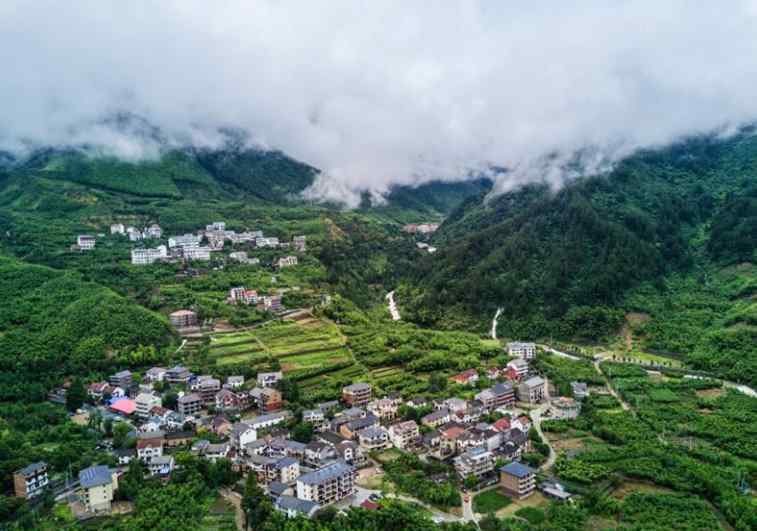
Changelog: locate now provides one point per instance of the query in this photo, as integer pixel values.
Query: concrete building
(287, 470)
(153, 231)
(122, 379)
(532, 390)
(117, 228)
(328, 484)
(517, 479)
(286, 261)
(474, 462)
(299, 243)
(374, 438)
(519, 366)
(149, 449)
(269, 379)
(208, 388)
(145, 402)
(31, 480)
(580, 390)
(183, 318)
(85, 242)
(565, 408)
(184, 241)
(190, 404)
(178, 374)
(293, 507)
(501, 394)
(98, 484)
(357, 394)
(148, 256)
(404, 434)
(527, 351)
(196, 253)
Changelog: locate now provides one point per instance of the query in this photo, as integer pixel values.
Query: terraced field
(301, 346)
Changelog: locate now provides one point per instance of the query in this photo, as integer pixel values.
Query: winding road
(393, 310)
(494, 323)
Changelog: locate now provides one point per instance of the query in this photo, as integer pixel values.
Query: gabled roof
(290, 503)
(32, 468)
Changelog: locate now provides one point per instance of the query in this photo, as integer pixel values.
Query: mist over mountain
(379, 94)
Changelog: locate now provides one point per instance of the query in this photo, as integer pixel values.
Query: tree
(130, 484)
(75, 395)
(120, 435)
(471, 482)
(303, 432)
(256, 505)
(290, 391)
(437, 383)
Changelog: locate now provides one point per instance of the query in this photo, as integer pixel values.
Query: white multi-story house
(148, 256)
(31, 480)
(373, 438)
(196, 253)
(134, 234)
(85, 242)
(527, 351)
(266, 242)
(532, 390)
(148, 449)
(404, 434)
(299, 243)
(327, 485)
(117, 228)
(269, 379)
(153, 231)
(185, 240)
(519, 366)
(145, 402)
(475, 462)
(286, 261)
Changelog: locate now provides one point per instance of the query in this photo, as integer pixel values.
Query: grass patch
(490, 501)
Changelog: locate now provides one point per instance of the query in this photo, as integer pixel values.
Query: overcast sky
(381, 92)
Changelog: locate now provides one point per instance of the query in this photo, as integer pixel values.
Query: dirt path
(235, 499)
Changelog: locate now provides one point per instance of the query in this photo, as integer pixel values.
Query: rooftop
(326, 473)
(95, 476)
(32, 468)
(517, 469)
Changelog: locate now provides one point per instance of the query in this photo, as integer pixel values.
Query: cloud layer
(380, 93)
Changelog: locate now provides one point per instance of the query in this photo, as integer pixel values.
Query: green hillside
(563, 263)
(53, 324)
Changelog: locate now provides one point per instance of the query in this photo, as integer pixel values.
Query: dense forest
(562, 263)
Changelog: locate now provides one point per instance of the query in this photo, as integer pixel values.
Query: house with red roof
(123, 406)
(469, 377)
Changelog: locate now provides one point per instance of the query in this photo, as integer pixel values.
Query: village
(163, 411)
(194, 246)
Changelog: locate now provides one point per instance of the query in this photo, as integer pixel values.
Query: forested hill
(565, 263)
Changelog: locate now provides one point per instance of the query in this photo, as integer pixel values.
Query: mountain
(570, 263)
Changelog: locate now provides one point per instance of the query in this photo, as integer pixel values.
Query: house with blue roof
(97, 485)
(517, 479)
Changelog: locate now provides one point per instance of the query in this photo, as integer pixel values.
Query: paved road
(393, 306)
(559, 353)
(536, 417)
(362, 494)
(494, 323)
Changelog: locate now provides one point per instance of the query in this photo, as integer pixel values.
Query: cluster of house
(420, 228)
(242, 295)
(302, 477)
(190, 247)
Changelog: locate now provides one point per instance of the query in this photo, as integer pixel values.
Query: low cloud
(380, 93)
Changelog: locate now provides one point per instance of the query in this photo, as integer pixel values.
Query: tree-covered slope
(52, 324)
(562, 263)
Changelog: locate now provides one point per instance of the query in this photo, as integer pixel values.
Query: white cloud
(376, 93)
